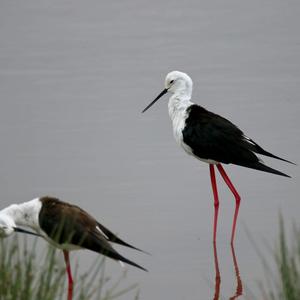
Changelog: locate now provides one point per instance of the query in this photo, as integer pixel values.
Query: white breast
(178, 115)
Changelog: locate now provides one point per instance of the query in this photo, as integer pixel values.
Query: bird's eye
(171, 81)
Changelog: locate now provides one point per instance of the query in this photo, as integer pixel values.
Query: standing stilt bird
(65, 226)
(210, 138)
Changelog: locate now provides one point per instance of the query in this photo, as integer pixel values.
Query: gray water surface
(74, 77)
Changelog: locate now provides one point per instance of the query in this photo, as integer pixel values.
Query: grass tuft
(26, 275)
(286, 281)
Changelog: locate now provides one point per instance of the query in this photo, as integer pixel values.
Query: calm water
(74, 77)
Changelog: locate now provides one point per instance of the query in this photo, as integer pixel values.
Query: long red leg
(70, 279)
(236, 196)
(216, 199)
(218, 275)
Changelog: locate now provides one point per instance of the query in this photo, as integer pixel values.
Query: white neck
(178, 103)
(24, 214)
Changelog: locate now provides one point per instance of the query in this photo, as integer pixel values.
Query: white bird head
(8, 226)
(176, 83)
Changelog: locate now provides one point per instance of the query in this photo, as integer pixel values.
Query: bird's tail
(96, 242)
(261, 167)
(259, 150)
(114, 239)
(115, 255)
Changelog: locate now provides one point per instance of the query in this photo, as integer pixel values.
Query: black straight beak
(159, 96)
(18, 229)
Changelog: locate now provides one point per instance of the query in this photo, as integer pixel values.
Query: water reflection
(239, 284)
(217, 271)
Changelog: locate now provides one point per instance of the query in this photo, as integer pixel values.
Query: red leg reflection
(239, 285)
(218, 275)
(216, 199)
(236, 196)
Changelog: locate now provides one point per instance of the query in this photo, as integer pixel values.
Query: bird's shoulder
(199, 118)
(55, 212)
(197, 113)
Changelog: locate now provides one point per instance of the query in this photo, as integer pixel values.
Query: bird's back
(214, 138)
(70, 227)
(65, 223)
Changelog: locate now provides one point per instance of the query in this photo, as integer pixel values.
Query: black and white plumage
(210, 137)
(214, 138)
(65, 226)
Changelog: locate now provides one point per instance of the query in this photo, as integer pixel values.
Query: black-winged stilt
(210, 138)
(65, 226)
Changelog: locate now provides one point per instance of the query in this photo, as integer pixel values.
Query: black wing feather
(114, 239)
(65, 223)
(213, 137)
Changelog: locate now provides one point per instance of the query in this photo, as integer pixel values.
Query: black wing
(114, 239)
(211, 136)
(68, 224)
